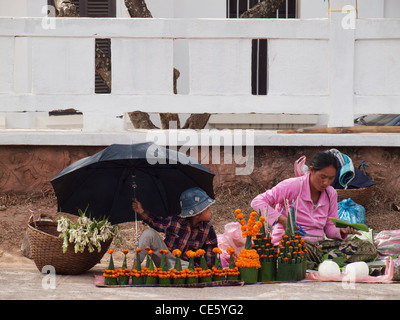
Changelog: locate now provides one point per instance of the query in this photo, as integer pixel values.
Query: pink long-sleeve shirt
(314, 219)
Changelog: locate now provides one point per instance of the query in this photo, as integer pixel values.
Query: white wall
(187, 8)
(366, 8)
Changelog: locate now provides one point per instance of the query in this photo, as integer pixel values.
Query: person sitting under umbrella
(190, 230)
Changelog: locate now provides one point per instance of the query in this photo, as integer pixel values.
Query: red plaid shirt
(180, 235)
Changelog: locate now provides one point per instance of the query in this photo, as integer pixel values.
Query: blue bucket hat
(194, 201)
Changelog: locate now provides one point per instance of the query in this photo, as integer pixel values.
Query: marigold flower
(138, 250)
(190, 253)
(176, 252)
(200, 252)
(248, 259)
(237, 211)
(231, 251)
(110, 251)
(125, 251)
(147, 248)
(217, 250)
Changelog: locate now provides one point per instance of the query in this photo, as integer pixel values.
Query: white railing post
(342, 38)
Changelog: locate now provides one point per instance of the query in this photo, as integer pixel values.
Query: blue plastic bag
(351, 212)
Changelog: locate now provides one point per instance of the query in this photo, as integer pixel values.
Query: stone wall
(29, 169)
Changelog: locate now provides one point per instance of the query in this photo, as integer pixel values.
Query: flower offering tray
(99, 282)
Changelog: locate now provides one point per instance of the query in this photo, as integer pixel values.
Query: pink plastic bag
(387, 277)
(300, 167)
(387, 242)
(231, 238)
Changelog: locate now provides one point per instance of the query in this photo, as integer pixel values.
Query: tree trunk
(141, 120)
(264, 9)
(196, 121)
(138, 9)
(65, 8)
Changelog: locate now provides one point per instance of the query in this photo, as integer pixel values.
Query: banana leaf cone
(178, 267)
(204, 267)
(219, 273)
(232, 267)
(110, 276)
(123, 279)
(164, 276)
(150, 278)
(248, 245)
(192, 275)
(289, 272)
(137, 278)
(249, 275)
(267, 272)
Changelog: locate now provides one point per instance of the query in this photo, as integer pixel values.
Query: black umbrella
(107, 181)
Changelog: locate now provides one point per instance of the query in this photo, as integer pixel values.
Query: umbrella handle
(134, 186)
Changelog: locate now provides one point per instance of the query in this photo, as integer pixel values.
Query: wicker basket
(46, 249)
(361, 196)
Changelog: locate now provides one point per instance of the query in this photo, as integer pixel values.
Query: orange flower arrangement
(291, 249)
(248, 259)
(177, 272)
(191, 271)
(110, 274)
(232, 271)
(205, 273)
(252, 227)
(124, 272)
(138, 272)
(163, 272)
(218, 272)
(181, 274)
(193, 274)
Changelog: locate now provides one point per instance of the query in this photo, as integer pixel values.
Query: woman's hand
(283, 221)
(136, 205)
(349, 230)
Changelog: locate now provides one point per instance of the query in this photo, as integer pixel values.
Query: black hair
(324, 159)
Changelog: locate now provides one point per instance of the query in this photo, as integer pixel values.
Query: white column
(342, 30)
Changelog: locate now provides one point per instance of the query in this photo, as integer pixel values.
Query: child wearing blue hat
(191, 230)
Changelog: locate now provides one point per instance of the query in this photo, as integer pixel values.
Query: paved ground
(23, 281)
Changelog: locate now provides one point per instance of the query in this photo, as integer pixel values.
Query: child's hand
(136, 205)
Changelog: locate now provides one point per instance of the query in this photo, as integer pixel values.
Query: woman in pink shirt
(314, 198)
